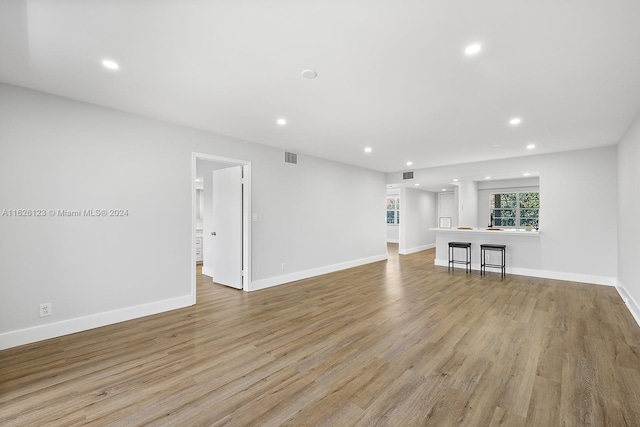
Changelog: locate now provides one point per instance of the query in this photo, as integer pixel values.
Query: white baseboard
(287, 278)
(629, 301)
(544, 274)
(393, 241)
(416, 249)
(71, 326)
(207, 271)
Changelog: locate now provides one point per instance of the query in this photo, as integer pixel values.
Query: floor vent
(291, 157)
(407, 175)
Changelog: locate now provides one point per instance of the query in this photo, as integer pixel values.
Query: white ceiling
(392, 74)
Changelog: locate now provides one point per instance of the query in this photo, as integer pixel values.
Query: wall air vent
(407, 175)
(291, 157)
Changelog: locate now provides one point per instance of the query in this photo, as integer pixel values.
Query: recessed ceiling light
(472, 49)
(487, 177)
(409, 163)
(282, 122)
(368, 150)
(531, 146)
(515, 121)
(112, 65)
(416, 184)
(455, 179)
(526, 174)
(309, 74)
(444, 189)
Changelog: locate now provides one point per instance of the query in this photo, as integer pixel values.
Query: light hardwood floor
(400, 342)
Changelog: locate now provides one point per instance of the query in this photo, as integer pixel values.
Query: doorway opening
(223, 236)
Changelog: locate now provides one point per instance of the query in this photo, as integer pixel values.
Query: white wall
(56, 153)
(629, 218)
(447, 206)
(393, 233)
(417, 216)
(320, 213)
(578, 227)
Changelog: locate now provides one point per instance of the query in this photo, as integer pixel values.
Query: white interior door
(226, 234)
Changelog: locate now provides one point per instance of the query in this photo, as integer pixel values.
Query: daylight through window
(393, 210)
(515, 209)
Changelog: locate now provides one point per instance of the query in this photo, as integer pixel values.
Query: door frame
(246, 209)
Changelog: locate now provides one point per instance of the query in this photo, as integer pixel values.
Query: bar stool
(503, 257)
(467, 250)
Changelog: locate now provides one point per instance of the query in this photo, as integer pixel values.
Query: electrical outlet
(284, 266)
(45, 309)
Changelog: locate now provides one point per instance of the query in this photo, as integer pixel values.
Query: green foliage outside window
(515, 209)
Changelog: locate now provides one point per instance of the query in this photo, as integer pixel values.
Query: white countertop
(510, 231)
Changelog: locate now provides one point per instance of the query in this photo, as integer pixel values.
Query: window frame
(396, 209)
(517, 209)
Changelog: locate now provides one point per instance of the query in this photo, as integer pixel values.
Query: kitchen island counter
(522, 253)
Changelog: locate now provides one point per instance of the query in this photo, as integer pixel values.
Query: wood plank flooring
(395, 343)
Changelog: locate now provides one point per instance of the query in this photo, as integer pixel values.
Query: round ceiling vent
(309, 74)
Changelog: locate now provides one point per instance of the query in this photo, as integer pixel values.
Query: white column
(468, 204)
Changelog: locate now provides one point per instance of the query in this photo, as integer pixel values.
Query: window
(515, 209)
(393, 210)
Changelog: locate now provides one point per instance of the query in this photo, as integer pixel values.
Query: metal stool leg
(452, 255)
(503, 259)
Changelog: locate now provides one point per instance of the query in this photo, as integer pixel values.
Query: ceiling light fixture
(409, 163)
(473, 49)
(444, 189)
(455, 179)
(531, 146)
(282, 122)
(487, 177)
(416, 184)
(309, 74)
(526, 174)
(515, 121)
(368, 150)
(112, 65)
